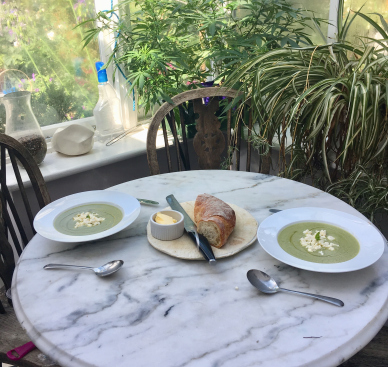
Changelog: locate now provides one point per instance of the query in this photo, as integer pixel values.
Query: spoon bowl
(102, 271)
(266, 284)
(108, 268)
(262, 281)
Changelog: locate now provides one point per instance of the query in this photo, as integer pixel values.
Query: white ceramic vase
(74, 139)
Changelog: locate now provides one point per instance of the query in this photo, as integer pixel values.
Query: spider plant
(330, 100)
(365, 190)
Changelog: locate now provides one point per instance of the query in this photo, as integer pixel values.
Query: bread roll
(214, 218)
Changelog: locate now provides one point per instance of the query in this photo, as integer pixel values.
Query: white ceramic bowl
(44, 220)
(167, 232)
(372, 243)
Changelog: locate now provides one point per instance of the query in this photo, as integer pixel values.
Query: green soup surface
(65, 223)
(289, 240)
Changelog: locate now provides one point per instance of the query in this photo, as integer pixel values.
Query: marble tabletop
(166, 312)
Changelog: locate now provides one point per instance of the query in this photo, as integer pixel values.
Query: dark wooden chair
(214, 148)
(13, 238)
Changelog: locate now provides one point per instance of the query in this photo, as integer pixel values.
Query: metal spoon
(104, 270)
(147, 202)
(264, 283)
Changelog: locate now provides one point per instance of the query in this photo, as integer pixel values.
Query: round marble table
(166, 312)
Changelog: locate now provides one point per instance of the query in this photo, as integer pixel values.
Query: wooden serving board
(243, 235)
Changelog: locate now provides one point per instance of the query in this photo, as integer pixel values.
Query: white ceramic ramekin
(167, 232)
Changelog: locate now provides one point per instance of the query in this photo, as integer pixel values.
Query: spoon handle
(333, 301)
(147, 202)
(63, 266)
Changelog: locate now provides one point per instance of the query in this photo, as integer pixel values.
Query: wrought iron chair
(12, 229)
(208, 144)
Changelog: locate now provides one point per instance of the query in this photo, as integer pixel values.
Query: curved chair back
(11, 224)
(209, 144)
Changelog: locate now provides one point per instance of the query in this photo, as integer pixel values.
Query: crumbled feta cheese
(317, 241)
(87, 219)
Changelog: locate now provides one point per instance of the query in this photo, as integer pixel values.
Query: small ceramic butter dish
(167, 232)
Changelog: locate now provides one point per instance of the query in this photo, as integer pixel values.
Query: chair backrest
(10, 220)
(209, 141)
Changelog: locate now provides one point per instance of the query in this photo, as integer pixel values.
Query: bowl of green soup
(87, 216)
(319, 239)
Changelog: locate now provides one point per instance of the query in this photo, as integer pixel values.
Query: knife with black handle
(191, 229)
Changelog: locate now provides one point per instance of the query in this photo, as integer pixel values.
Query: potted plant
(332, 100)
(165, 47)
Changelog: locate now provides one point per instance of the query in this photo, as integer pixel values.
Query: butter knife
(191, 229)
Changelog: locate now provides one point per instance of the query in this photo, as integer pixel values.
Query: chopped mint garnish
(317, 236)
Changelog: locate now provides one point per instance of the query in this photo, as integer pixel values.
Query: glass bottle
(22, 124)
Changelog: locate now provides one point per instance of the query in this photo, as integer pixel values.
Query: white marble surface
(163, 311)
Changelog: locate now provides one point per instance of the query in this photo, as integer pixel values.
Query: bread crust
(208, 208)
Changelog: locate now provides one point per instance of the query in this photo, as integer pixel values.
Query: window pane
(320, 8)
(360, 27)
(38, 40)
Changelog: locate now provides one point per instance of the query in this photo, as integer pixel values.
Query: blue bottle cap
(101, 74)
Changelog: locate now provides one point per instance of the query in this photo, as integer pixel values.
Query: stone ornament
(209, 142)
(74, 139)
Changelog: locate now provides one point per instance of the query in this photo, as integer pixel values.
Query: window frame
(333, 17)
(128, 113)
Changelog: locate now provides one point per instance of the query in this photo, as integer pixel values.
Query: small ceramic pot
(74, 139)
(167, 232)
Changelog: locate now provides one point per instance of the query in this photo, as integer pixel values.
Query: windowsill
(49, 130)
(57, 165)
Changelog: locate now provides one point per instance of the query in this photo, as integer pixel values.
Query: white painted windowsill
(57, 165)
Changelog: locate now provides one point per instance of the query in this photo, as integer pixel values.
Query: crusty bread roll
(214, 218)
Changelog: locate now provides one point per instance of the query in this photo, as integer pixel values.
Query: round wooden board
(243, 235)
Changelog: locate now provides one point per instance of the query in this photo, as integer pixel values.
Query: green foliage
(246, 28)
(166, 47)
(38, 38)
(365, 189)
(331, 101)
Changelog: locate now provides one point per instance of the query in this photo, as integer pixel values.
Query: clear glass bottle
(107, 112)
(22, 124)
